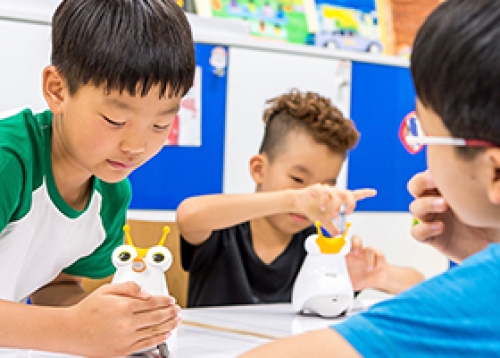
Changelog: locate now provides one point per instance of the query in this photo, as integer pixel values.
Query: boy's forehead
(123, 100)
(156, 90)
(130, 103)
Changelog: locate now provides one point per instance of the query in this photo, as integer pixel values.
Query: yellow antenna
(126, 228)
(328, 245)
(166, 230)
(318, 228)
(347, 226)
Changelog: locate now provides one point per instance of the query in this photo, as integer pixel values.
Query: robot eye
(158, 257)
(124, 256)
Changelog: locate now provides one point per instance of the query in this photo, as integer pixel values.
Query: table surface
(229, 331)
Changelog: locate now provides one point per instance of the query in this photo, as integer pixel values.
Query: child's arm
(368, 268)
(115, 320)
(65, 290)
(315, 344)
(198, 216)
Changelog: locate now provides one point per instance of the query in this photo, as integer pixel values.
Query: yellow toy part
(143, 251)
(329, 245)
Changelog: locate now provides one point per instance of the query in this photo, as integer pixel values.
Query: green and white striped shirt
(40, 234)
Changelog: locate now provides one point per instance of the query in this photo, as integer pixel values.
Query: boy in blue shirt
(455, 66)
(249, 248)
(119, 70)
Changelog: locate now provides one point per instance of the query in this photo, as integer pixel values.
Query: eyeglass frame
(424, 140)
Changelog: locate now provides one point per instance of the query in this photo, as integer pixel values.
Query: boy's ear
(258, 164)
(494, 187)
(54, 89)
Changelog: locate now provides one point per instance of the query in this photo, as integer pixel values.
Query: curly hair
(312, 113)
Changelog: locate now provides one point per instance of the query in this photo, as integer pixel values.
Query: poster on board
(346, 25)
(186, 128)
(278, 20)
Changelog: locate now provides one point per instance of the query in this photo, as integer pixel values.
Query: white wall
(25, 51)
(34, 10)
(390, 232)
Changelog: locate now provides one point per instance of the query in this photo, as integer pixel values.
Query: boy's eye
(297, 180)
(112, 122)
(162, 127)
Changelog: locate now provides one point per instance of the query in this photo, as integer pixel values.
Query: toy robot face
(156, 256)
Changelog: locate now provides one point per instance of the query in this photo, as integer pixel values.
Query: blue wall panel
(179, 172)
(381, 96)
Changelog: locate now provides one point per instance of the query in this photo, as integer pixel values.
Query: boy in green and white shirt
(41, 232)
(113, 90)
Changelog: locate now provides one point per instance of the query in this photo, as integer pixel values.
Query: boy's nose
(135, 143)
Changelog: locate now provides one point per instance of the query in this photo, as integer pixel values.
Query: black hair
(127, 45)
(309, 112)
(455, 65)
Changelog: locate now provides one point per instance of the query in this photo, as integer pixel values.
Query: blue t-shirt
(454, 314)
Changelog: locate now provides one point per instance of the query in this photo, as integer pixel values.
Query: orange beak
(138, 265)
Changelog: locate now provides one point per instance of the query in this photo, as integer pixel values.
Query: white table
(231, 330)
(220, 332)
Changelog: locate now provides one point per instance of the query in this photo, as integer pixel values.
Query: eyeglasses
(414, 139)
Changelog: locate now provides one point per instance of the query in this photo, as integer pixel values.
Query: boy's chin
(112, 178)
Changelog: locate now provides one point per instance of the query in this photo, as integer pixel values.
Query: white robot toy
(146, 267)
(323, 285)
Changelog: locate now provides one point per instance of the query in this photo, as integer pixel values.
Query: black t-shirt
(225, 269)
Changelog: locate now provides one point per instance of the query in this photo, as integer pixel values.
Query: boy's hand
(119, 319)
(438, 224)
(368, 267)
(323, 202)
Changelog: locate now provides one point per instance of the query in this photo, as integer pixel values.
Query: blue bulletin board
(381, 96)
(179, 172)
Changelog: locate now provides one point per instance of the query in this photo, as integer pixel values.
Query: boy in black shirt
(248, 248)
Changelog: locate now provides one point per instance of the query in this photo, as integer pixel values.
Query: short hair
(309, 112)
(125, 45)
(455, 65)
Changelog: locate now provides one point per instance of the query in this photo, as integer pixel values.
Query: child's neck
(73, 186)
(268, 242)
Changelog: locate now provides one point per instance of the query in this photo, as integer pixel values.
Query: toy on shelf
(146, 267)
(323, 285)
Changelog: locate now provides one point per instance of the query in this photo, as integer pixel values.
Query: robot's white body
(323, 285)
(146, 267)
(151, 280)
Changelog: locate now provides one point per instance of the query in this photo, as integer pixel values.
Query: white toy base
(327, 305)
